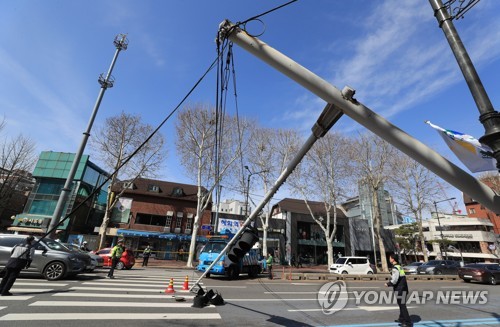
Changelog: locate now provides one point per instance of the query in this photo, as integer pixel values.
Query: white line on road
(15, 298)
(127, 284)
(132, 296)
(109, 316)
(305, 292)
(123, 290)
(272, 300)
(39, 284)
(31, 290)
(111, 304)
(365, 308)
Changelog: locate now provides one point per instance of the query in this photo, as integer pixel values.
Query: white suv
(351, 265)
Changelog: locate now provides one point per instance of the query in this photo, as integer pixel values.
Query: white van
(351, 265)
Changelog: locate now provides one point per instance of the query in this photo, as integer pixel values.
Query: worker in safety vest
(116, 254)
(400, 286)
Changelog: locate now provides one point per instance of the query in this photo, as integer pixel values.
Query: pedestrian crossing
(132, 297)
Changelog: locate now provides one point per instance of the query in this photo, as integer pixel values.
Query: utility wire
(267, 12)
(97, 189)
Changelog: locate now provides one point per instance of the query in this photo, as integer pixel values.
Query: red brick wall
(159, 206)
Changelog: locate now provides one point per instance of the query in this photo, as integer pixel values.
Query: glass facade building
(50, 174)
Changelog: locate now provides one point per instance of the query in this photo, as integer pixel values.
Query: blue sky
(392, 53)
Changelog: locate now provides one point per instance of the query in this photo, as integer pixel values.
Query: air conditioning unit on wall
(187, 231)
(177, 230)
(166, 229)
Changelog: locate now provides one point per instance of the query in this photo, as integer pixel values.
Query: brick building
(158, 213)
(477, 210)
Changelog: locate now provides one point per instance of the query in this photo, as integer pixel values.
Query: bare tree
(17, 159)
(415, 187)
(370, 157)
(268, 153)
(115, 142)
(208, 144)
(325, 175)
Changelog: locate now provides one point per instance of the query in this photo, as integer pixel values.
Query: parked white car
(351, 265)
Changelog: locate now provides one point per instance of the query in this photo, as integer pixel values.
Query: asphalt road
(137, 298)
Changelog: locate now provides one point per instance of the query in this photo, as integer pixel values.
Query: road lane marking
(127, 284)
(15, 298)
(132, 296)
(365, 308)
(111, 304)
(31, 290)
(434, 323)
(124, 290)
(39, 284)
(108, 316)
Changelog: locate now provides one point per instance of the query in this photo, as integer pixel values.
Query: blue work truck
(248, 265)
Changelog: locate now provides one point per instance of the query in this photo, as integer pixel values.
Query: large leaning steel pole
(366, 117)
(106, 82)
(488, 116)
(326, 120)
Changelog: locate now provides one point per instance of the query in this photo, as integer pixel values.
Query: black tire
(252, 272)
(119, 265)
(370, 273)
(233, 272)
(467, 280)
(492, 280)
(207, 275)
(54, 271)
(344, 272)
(438, 272)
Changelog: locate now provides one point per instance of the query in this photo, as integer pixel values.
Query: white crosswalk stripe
(121, 298)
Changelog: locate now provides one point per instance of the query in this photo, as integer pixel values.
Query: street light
(248, 186)
(440, 229)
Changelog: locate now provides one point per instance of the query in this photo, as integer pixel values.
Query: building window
(128, 185)
(147, 219)
(472, 211)
(168, 221)
(177, 192)
(178, 222)
(189, 222)
(153, 188)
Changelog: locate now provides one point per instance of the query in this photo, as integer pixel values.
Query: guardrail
(381, 277)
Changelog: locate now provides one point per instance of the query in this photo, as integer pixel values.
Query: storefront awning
(140, 233)
(168, 236)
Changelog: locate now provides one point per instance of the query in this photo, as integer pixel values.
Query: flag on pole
(473, 154)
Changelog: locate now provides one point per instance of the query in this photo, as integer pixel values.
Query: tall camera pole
(488, 116)
(106, 82)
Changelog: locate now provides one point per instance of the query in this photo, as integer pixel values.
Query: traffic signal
(243, 244)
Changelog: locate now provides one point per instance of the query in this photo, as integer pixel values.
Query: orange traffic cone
(170, 288)
(185, 287)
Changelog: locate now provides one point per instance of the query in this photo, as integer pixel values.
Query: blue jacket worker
(400, 286)
(20, 258)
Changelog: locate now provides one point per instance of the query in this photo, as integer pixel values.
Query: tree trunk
(107, 216)
(264, 240)
(378, 226)
(196, 222)
(329, 247)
